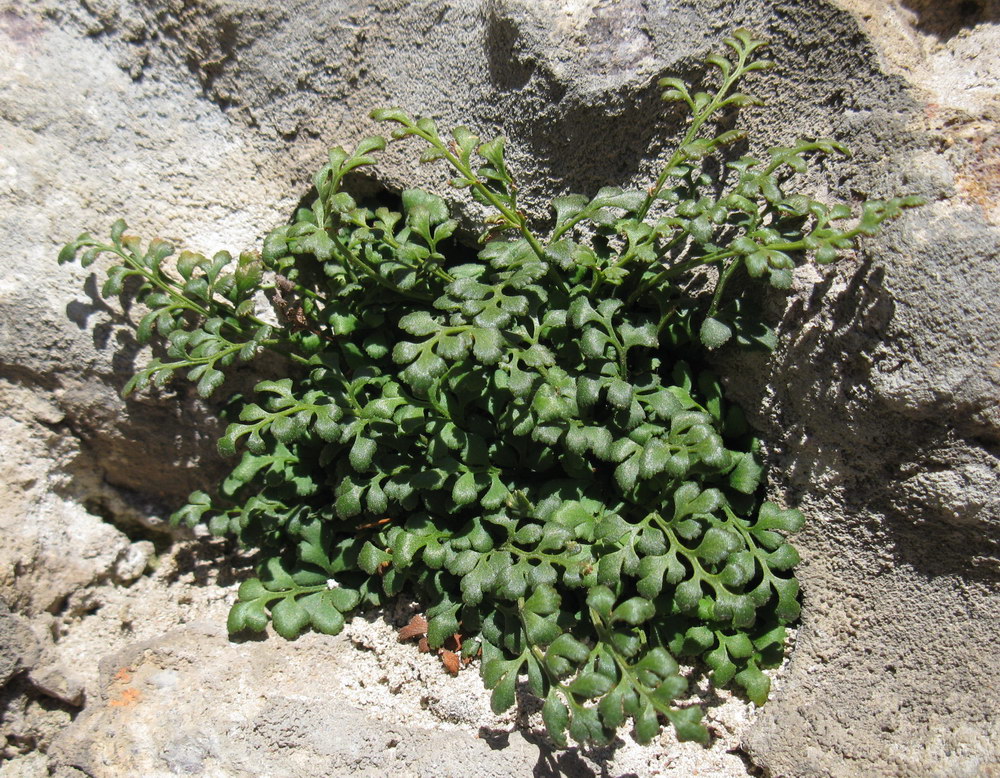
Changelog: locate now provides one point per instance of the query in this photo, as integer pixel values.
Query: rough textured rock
(200, 122)
(18, 645)
(274, 712)
(312, 708)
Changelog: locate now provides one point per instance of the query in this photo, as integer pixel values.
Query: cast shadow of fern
(848, 436)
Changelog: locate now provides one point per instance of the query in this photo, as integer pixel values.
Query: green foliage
(527, 439)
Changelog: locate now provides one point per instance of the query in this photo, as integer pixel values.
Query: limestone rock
(59, 682)
(19, 648)
(308, 708)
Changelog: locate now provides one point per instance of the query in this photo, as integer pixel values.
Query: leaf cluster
(526, 439)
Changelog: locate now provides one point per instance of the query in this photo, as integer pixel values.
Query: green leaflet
(527, 440)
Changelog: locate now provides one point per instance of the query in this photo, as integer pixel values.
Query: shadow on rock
(945, 19)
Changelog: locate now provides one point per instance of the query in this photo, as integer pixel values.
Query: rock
(200, 122)
(28, 722)
(263, 707)
(19, 650)
(48, 673)
(58, 682)
(133, 561)
(53, 546)
(33, 765)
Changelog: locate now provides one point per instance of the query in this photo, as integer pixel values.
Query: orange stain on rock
(128, 697)
(124, 675)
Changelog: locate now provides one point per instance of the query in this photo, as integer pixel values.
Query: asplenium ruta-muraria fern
(526, 440)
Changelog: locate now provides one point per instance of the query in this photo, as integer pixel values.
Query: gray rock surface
(274, 711)
(201, 121)
(19, 648)
(311, 708)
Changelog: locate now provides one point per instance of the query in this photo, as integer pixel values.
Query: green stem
(165, 284)
(679, 154)
(516, 218)
(675, 542)
(153, 278)
(438, 271)
(540, 657)
(623, 667)
(559, 560)
(352, 258)
(724, 277)
(674, 270)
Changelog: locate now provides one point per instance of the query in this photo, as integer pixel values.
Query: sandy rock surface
(200, 122)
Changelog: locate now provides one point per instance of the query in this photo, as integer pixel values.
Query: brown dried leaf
(422, 646)
(416, 628)
(450, 661)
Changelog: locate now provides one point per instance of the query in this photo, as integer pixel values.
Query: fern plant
(525, 439)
